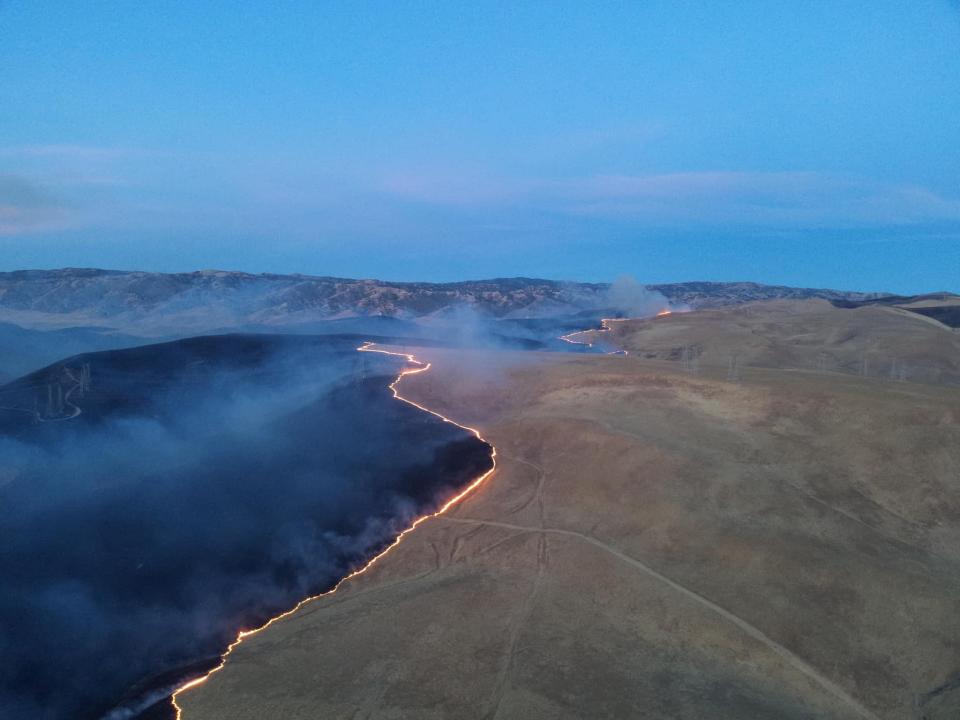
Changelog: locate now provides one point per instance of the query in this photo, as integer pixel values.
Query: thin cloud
(26, 207)
(455, 189)
(807, 199)
(71, 152)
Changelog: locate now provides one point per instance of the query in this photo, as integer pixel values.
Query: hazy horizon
(466, 279)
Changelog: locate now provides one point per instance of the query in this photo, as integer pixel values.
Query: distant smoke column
(631, 299)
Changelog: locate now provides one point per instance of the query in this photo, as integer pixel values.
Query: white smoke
(631, 299)
(136, 707)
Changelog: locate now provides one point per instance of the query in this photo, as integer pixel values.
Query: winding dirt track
(749, 629)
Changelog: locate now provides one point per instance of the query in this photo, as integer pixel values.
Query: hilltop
(867, 339)
(156, 304)
(655, 543)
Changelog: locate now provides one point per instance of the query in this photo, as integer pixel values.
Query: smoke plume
(206, 485)
(631, 299)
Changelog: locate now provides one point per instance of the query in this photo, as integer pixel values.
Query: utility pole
(822, 363)
(690, 359)
(733, 372)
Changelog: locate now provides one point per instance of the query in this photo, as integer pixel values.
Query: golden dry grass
(654, 544)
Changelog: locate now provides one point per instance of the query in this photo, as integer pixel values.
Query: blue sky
(808, 143)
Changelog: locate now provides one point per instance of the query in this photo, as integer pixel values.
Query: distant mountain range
(46, 315)
(146, 303)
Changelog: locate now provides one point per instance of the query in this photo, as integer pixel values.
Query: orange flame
(664, 312)
(366, 347)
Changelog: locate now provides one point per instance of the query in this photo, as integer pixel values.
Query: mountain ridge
(108, 293)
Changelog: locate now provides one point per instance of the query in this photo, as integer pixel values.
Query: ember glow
(420, 367)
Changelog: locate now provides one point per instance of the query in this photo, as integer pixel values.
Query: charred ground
(205, 485)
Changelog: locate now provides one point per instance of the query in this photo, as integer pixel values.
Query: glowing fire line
(569, 336)
(423, 367)
(604, 327)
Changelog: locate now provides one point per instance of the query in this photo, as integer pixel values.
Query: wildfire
(664, 312)
(423, 367)
(604, 327)
(569, 338)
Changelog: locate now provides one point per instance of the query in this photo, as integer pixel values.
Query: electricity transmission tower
(690, 360)
(822, 363)
(733, 370)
